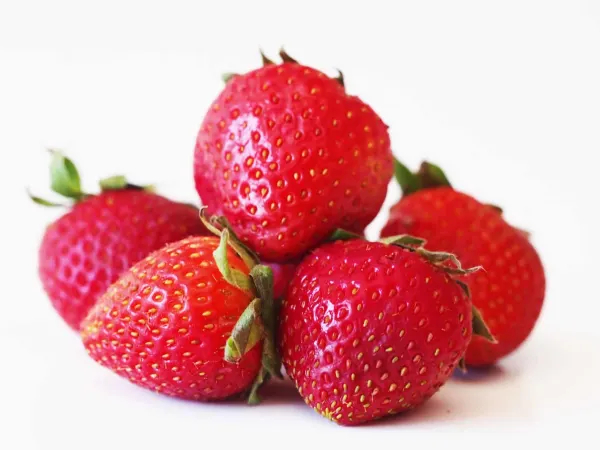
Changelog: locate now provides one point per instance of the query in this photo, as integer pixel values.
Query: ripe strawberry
(169, 323)
(288, 156)
(510, 292)
(102, 235)
(371, 329)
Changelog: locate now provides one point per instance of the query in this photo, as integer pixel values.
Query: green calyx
(64, 177)
(216, 225)
(66, 182)
(113, 183)
(43, 202)
(119, 183)
(228, 76)
(428, 176)
(262, 276)
(450, 264)
(285, 58)
(339, 234)
(246, 333)
(480, 328)
(234, 277)
(257, 323)
(340, 78)
(265, 60)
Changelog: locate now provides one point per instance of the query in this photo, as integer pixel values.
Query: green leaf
(271, 362)
(44, 202)
(496, 208)
(285, 57)
(439, 259)
(261, 378)
(114, 183)
(247, 332)
(64, 176)
(339, 234)
(228, 76)
(340, 78)
(404, 241)
(407, 180)
(265, 61)
(263, 281)
(431, 175)
(480, 328)
(248, 256)
(232, 276)
(465, 287)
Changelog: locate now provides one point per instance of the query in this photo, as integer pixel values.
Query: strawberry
(373, 329)
(288, 156)
(187, 321)
(510, 292)
(102, 235)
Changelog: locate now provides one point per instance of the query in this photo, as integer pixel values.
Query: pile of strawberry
(274, 273)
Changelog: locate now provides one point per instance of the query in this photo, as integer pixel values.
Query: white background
(505, 95)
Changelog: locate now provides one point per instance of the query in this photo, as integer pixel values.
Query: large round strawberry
(188, 321)
(510, 291)
(288, 156)
(102, 235)
(372, 329)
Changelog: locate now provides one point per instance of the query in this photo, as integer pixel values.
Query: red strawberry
(288, 156)
(510, 292)
(171, 321)
(102, 235)
(371, 329)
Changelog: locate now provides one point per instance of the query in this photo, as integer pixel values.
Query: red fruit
(165, 323)
(369, 329)
(510, 291)
(102, 235)
(288, 156)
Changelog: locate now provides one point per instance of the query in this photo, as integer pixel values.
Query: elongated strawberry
(102, 235)
(288, 156)
(372, 329)
(510, 292)
(189, 321)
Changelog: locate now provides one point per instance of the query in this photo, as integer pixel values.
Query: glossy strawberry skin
(163, 325)
(287, 156)
(85, 250)
(509, 293)
(368, 330)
